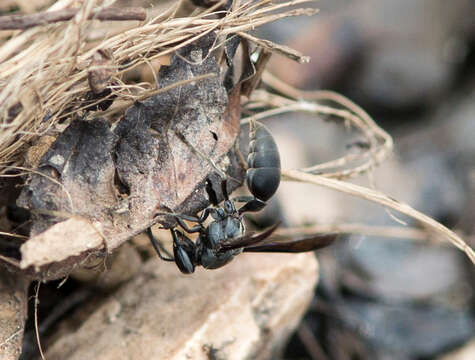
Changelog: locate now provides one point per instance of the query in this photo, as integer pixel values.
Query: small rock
(397, 270)
(467, 352)
(416, 330)
(13, 312)
(123, 266)
(244, 310)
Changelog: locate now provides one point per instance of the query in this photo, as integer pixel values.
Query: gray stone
(244, 310)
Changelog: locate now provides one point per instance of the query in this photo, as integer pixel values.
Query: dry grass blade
(16, 22)
(398, 232)
(330, 174)
(382, 199)
(10, 261)
(13, 235)
(8, 339)
(282, 49)
(37, 332)
(380, 144)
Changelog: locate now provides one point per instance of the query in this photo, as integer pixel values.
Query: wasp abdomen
(263, 175)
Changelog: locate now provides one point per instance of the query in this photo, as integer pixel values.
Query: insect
(225, 237)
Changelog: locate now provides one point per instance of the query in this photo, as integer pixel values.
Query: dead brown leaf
(108, 183)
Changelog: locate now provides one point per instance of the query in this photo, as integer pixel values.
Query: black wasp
(225, 237)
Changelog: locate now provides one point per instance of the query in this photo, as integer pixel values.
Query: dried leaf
(111, 183)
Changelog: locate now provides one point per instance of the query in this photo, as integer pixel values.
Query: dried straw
(44, 69)
(331, 174)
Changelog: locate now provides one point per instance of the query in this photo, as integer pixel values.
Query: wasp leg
(243, 198)
(158, 246)
(224, 189)
(185, 252)
(252, 206)
(212, 196)
(197, 228)
(194, 229)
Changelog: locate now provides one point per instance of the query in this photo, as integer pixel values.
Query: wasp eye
(218, 214)
(229, 207)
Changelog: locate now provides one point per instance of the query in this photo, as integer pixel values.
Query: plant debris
(114, 180)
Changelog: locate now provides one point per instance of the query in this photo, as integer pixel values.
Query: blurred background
(411, 66)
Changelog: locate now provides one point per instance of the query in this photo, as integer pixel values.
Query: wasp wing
(296, 245)
(249, 239)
